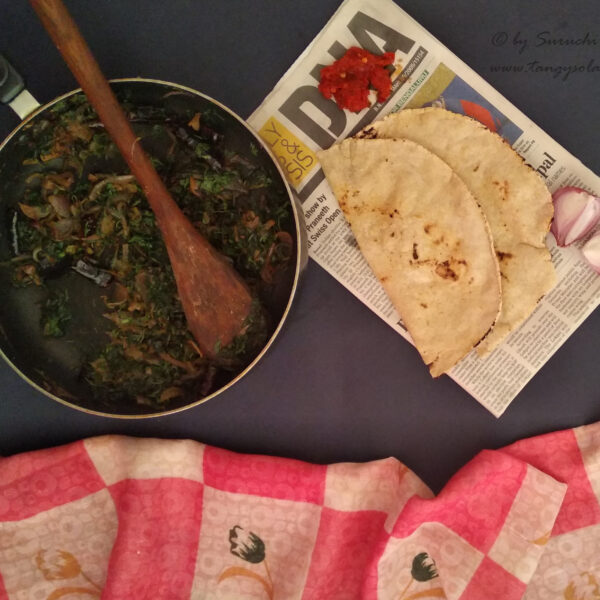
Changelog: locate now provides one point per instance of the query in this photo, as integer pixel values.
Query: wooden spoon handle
(77, 55)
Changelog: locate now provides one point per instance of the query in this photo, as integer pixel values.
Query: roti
(425, 238)
(515, 200)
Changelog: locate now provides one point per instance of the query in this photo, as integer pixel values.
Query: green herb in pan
(78, 211)
(55, 314)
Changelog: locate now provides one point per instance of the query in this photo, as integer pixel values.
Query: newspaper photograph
(295, 120)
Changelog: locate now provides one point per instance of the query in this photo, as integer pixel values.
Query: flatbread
(425, 238)
(515, 200)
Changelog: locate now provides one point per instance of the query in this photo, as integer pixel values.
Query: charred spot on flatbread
(370, 133)
(445, 271)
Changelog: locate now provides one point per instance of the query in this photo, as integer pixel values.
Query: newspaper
(295, 120)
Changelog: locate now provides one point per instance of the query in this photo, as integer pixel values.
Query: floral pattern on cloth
(114, 517)
(61, 566)
(249, 547)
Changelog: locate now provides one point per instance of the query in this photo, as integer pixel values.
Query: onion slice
(591, 251)
(576, 213)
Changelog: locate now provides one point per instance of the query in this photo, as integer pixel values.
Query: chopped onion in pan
(576, 213)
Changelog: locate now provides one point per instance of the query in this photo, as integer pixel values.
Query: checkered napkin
(124, 518)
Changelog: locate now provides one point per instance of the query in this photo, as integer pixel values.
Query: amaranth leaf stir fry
(77, 213)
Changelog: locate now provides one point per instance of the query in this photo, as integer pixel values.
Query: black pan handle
(11, 83)
(13, 92)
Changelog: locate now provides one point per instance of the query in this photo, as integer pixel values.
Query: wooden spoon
(215, 300)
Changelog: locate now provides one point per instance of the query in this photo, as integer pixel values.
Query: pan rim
(300, 263)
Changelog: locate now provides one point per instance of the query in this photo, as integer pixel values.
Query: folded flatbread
(515, 200)
(425, 238)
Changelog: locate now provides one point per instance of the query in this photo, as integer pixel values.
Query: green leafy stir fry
(78, 215)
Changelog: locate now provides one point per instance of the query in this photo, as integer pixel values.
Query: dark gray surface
(339, 385)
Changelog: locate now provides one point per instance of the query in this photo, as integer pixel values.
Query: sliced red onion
(62, 228)
(60, 204)
(35, 212)
(576, 213)
(591, 251)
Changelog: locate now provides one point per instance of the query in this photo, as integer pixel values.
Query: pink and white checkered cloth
(125, 518)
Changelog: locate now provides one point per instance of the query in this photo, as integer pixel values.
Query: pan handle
(13, 92)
